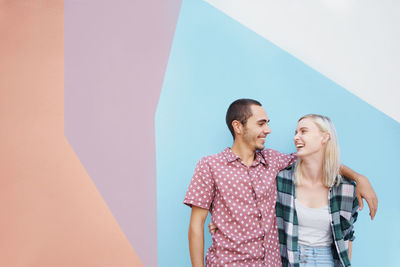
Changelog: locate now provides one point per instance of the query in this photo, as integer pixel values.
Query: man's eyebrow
(264, 120)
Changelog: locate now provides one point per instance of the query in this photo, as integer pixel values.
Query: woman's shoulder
(346, 181)
(286, 176)
(345, 188)
(288, 171)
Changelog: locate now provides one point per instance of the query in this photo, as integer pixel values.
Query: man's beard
(251, 141)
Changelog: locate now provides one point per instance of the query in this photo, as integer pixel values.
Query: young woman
(316, 207)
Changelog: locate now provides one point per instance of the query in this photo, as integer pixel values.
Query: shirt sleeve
(354, 214)
(201, 188)
(281, 160)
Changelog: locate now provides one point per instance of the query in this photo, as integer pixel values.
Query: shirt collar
(260, 158)
(231, 157)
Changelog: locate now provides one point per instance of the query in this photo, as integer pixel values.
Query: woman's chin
(300, 153)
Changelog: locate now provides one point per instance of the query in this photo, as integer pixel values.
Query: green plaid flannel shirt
(343, 207)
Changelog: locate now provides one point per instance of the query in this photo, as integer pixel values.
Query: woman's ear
(325, 138)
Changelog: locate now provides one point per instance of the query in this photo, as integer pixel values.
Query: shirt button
(258, 204)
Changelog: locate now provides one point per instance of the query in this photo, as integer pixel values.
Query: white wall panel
(354, 43)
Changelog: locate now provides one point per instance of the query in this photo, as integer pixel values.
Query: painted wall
(354, 43)
(217, 60)
(52, 213)
(116, 53)
(83, 124)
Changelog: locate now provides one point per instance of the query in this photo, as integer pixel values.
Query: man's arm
(196, 236)
(281, 160)
(363, 189)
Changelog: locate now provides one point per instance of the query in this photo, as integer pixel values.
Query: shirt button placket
(258, 203)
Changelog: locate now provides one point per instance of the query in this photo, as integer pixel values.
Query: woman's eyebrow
(300, 129)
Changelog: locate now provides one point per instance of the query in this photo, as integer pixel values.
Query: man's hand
(365, 190)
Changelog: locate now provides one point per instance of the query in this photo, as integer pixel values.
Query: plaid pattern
(343, 207)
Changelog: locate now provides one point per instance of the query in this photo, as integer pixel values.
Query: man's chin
(260, 147)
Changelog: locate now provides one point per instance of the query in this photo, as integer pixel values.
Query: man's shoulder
(213, 158)
(271, 153)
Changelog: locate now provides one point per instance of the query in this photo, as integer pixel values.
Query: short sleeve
(280, 160)
(201, 188)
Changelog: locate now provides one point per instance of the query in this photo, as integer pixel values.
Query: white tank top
(314, 226)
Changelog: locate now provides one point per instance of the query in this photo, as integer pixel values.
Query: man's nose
(267, 130)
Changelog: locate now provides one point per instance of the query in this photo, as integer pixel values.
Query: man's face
(256, 129)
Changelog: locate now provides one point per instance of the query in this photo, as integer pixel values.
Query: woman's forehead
(306, 123)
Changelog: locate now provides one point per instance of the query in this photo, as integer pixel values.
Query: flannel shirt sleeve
(201, 188)
(284, 160)
(354, 214)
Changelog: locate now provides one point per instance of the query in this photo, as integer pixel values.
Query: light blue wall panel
(215, 60)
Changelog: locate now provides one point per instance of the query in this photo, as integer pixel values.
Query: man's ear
(237, 127)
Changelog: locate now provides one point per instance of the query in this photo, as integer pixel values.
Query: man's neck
(245, 153)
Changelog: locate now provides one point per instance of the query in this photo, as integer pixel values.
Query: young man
(238, 187)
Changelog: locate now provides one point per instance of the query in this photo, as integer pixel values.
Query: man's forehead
(258, 112)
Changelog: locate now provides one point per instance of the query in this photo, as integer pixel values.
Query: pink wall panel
(116, 53)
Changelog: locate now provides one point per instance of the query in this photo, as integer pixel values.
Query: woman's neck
(312, 169)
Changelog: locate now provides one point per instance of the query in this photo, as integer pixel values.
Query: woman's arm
(212, 228)
(350, 247)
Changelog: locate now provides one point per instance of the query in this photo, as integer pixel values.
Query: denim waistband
(315, 256)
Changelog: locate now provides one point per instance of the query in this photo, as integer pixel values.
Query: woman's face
(308, 139)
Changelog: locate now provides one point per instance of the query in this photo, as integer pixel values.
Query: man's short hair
(239, 110)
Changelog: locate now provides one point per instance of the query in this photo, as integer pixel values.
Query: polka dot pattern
(241, 201)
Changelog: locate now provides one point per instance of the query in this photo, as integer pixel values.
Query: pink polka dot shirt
(241, 201)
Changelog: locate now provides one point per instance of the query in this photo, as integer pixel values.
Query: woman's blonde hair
(331, 164)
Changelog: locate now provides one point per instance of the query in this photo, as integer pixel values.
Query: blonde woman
(316, 207)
